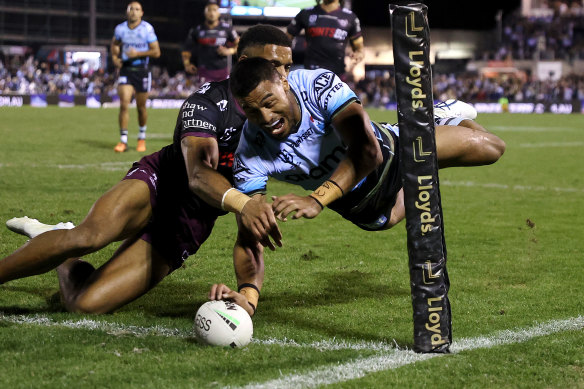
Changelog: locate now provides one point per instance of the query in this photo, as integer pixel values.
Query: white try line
(389, 357)
(327, 375)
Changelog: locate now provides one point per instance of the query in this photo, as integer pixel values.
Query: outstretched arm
(363, 156)
(248, 260)
(201, 157)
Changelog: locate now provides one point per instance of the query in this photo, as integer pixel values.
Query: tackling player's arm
(201, 157)
(248, 260)
(363, 156)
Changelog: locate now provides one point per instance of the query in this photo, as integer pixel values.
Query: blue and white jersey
(137, 38)
(309, 155)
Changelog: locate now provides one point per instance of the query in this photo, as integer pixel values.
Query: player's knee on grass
(88, 304)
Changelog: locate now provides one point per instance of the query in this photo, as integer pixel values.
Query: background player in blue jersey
(311, 130)
(327, 28)
(134, 42)
(211, 44)
(163, 209)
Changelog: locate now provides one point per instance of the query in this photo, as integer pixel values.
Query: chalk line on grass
(389, 356)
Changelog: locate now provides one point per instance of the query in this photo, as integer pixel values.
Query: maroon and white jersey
(203, 42)
(327, 34)
(211, 112)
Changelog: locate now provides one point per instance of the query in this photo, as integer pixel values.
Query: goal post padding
(419, 168)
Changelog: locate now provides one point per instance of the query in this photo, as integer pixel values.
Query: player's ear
(243, 56)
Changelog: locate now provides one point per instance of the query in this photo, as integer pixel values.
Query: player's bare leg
(125, 92)
(120, 213)
(142, 119)
(468, 144)
(133, 270)
(141, 99)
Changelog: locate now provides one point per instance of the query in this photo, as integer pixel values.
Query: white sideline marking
(514, 187)
(124, 166)
(108, 166)
(389, 357)
(551, 144)
(532, 129)
(327, 375)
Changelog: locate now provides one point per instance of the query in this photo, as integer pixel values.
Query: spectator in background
(133, 44)
(211, 44)
(328, 27)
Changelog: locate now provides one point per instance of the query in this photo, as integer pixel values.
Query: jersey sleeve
(329, 93)
(150, 34)
(249, 174)
(297, 24)
(118, 33)
(355, 31)
(199, 116)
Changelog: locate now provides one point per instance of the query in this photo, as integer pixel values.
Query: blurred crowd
(32, 77)
(379, 91)
(556, 32)
(554, 35)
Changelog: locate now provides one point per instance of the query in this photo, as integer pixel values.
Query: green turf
(513, 233)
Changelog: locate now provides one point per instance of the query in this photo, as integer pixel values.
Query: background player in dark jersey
(211, 44)
(327, 28)
(163, 210)
(133, 44)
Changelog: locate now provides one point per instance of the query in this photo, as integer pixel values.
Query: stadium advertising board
(97, 101)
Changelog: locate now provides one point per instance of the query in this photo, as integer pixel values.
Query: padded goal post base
(419, 167)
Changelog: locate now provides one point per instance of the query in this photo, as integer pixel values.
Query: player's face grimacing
(279, 56)
(272, 107)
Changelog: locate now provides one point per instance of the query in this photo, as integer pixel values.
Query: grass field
(335, 307)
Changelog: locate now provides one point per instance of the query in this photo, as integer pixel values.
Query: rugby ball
(223, 323)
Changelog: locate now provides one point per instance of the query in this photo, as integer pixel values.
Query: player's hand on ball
(223, 292)
(304, 206)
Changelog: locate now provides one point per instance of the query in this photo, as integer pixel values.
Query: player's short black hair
(260, 35)
(248, 73)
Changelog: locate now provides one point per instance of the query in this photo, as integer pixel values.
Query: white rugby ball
(223, 323)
